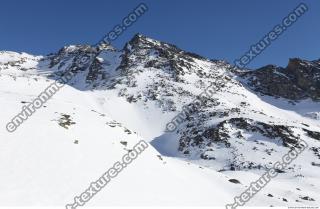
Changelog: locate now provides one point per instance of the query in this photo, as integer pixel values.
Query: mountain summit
(118, 97)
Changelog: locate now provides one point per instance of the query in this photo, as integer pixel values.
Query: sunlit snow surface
(43, 163)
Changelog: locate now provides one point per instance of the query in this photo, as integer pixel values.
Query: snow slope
(41, 164)
(140, 89)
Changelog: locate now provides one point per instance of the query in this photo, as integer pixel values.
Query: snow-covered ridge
(119, 97)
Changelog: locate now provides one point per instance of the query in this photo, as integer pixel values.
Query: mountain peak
(294, 63)
(139, 40)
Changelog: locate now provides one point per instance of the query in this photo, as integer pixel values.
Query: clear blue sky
(217, 29)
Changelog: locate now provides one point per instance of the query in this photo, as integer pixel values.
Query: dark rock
(307, 198)
(235, 181)
(299, 80)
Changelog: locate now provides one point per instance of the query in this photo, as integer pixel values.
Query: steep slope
(67, 144)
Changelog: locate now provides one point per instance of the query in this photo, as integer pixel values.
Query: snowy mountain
(119, 97)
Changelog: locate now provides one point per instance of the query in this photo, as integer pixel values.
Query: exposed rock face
(166, 68)
(231, 141)
(69, 56)
(89, 61)
(158, 55)
(235, 127)
(299, 80)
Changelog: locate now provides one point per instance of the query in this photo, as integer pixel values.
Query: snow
(41, 165)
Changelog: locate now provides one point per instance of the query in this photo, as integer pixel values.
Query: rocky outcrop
(223, 131)
(299, 80)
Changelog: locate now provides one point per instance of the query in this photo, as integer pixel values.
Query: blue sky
(217, 29)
